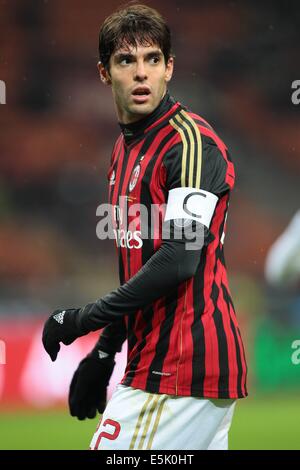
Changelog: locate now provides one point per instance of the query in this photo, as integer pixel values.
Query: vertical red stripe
(116, 150)
(225, 282)
(242, 355)
(232, 361)
(138, 329)
(172, 357)
(156, 190)
(149, 350)
(115, 155)
(130, 162)
(186, 363)
(164, 117)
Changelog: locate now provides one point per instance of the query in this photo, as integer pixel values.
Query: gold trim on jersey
(184, 124)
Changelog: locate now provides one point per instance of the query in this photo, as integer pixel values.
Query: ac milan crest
(134, 177)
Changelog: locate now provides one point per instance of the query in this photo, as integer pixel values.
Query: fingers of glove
(72, 391)
(101, 401)
(87, 392)
(81, 415)
(50, 339)
(81, 398)
(52, 347)
(91, 413)
(101, 406)
(69, 340)
(77, 404)
(83, 410)
(83, 402)
(77, 408)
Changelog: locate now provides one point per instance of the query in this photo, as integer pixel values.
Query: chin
(145, 108)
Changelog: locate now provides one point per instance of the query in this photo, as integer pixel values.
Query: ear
(104, 74)
(169, 69)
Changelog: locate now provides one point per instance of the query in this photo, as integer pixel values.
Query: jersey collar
(134, 130)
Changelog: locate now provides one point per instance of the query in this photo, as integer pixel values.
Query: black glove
(61, 326)
(87, 392)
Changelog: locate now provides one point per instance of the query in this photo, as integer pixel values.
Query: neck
(126, 118)
(134, 129)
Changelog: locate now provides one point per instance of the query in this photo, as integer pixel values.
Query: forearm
(171, 265)
(112, 337)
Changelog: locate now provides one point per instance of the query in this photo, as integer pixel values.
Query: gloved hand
(87, 392)
(61, 326)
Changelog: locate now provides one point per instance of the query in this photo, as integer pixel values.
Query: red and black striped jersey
(187, 342)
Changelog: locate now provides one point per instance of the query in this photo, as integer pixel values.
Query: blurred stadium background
(235, 64)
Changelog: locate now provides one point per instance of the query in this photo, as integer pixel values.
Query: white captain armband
(191, 203)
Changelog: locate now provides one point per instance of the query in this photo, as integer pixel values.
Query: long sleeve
(112, 337)
(171, 265)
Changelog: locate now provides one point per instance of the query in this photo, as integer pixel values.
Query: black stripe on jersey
(147, 313)
(244, 355)
(237, 347)
(231, 303)
(198, 368)
(145, 196)
(163, 343)
(113, 151)
(202, 123)
(223, 384)
(132, 339)
(121, 270)
(142, 152)
(118, 182)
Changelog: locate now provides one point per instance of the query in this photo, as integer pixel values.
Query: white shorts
(138, 420)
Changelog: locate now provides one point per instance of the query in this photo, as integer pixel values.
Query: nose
(140, 71)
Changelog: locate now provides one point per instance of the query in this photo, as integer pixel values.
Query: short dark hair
(131, 25)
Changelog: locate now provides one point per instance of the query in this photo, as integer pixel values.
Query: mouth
(141, 94)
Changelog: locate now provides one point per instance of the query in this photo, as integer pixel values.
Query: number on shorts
(108, 435)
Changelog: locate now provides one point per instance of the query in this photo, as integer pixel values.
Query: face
(138, 77)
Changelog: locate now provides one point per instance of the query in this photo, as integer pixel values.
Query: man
(186, 365)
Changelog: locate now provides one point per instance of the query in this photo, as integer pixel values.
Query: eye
(125, 60)
(155, 60)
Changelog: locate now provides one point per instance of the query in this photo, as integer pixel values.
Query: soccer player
(186, 364)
